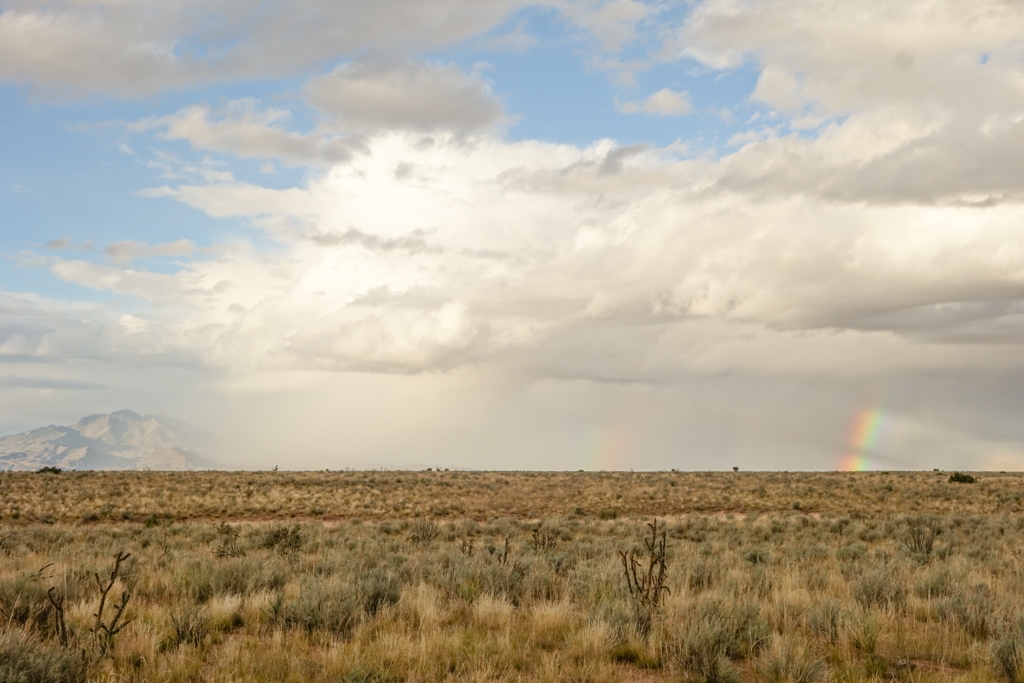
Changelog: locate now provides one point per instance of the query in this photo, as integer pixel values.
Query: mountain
(122, 440)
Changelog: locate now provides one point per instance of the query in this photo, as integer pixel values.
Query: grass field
(378, 495)
(445, 576)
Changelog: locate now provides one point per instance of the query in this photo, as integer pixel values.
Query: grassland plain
(378, 495)
(473, 576)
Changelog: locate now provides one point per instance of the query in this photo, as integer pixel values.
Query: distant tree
(49, 470)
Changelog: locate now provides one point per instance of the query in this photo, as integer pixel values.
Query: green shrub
(961, 478)
(203, 579)
(1008, 653)
(379, 592)
(703, 575)
(23, 602)
(705, 655)
(23, 659)
(971, 612)
(827, 619)
(756, 556)
(504, 581)
(320, 607)
(424, 530)
(882, 588)
(921, 534)
(229, 546)
(864, 634)
(715, 635)
(631, 653)
(851, 552)
(286, 540)
(935, 584)
(189, 627)
(788, 662)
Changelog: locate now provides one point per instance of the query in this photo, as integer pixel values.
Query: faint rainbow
(608, 450)
(868, 426)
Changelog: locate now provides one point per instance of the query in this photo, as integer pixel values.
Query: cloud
(18, 382)
(858, 244)
(413, 96)
(356, 98)
(888, 157)
(35, 329)
(241, 128)
(128, 251)
(66, 243)
(65, 47)
(625, 264)
(886, 233)
(611, 23)
(516, 41)
(665, 102)
(75, 48)
(838, 58)
(906, 107)
(414, 242)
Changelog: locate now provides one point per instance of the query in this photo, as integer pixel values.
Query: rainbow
(864, 437)
(608, 452)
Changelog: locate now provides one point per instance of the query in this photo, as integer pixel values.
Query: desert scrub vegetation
(155, 497)
(781, 595)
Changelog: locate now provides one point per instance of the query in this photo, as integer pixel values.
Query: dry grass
(380, 495)
(845, 588)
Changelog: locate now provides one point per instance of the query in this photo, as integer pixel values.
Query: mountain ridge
(121, 440)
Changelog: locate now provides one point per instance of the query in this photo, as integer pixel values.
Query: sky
(494, 234)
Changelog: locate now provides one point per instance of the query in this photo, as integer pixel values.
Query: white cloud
(516, 41)
(72, 48)
(128, 251)
(840, 57)
(518, 253)
(66, 243)
(241, 128)
(612, 23)
(909, 109)
(415, 96)
(865, 244)
(35, 328)
(63, 47)
(665, 102)
(355, 98)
